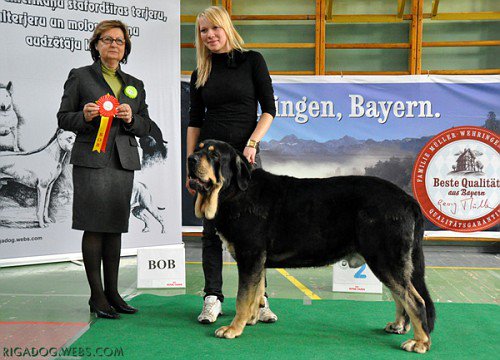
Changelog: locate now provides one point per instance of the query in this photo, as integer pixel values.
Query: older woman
(102, 180)
(226, 86)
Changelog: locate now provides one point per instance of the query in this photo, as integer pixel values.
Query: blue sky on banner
(379, 111)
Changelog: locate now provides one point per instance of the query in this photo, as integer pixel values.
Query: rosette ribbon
(107, 110)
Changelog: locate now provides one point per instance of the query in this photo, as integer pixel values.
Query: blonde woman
(226, 87)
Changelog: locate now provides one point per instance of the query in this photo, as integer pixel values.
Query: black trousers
(212, 254)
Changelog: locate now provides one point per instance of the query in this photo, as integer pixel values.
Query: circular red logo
(456, 179)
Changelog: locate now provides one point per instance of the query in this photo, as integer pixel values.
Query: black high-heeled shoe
(103, 314)
(124, 309)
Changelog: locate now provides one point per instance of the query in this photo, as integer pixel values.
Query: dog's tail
(418, 276)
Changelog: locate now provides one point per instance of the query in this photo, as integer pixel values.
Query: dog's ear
(9, 87)
(242, 172)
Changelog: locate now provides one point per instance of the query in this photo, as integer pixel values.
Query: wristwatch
(253, 143)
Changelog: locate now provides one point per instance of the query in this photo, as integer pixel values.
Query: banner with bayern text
(378, 125)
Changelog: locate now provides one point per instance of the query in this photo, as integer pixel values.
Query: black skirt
(101, 197)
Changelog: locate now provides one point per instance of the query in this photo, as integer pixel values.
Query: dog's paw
(417, 346)
(227, 332)
(394, 328)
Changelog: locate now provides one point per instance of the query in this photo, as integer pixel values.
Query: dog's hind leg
(391, 245)
(158, 217)
(139, 213)
(416, 300)
(396, 276)
(250, 273)
(402, 323)
(414, 305)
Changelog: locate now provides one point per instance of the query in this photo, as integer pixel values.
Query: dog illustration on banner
(10, 120)
(154, 147)
(272, 221)
(154, 151)
(38, 169)
(142, 201)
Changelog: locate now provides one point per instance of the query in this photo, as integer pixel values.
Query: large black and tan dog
(273, 221)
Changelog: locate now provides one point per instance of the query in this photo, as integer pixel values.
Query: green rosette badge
(130, 91)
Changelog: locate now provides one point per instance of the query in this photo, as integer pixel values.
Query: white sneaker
(212, 308)
(265, 314)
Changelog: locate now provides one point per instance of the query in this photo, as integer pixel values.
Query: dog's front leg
(46, 217)
(15, 134)
(250, 276)
(259, 299)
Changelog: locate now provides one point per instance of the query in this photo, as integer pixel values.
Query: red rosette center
(107, 105)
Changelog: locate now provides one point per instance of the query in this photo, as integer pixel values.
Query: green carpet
(166, 328)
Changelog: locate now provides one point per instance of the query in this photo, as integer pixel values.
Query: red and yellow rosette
(107, 110)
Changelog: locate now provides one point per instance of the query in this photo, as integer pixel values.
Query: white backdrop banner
(41, 42)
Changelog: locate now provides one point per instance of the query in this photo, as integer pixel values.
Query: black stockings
(106, 247)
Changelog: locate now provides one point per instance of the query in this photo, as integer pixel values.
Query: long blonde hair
(218, 16)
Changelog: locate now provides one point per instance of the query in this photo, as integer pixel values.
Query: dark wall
(188, 218)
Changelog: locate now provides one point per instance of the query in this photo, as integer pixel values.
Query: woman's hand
(90, 111)
(124, 112)
(249, 153)
(191, 191)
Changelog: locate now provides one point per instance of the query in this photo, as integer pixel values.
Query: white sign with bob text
(161, 267)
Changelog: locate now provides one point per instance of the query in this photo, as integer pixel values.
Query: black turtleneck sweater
(225, 108)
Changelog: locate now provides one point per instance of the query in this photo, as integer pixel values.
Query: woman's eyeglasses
(108, 40)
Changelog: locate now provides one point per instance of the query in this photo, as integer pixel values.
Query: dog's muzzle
(195, 182)
(198, 185)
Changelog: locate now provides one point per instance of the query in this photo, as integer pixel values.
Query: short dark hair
(105, 26)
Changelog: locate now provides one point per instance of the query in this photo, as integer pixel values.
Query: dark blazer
(87, 84)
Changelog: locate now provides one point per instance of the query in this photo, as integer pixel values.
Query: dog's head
(6, 96)
(154, 147)
(215, 167)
